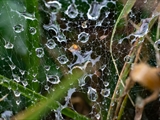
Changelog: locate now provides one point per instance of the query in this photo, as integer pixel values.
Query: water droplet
(18, 102)
(46, 87)
(83, 37)
(128, 59)
(61, 37)
(12, 66)
(112, 104)
(16, 78)
(55, 6)
(92, 94)
(145, 1)
(18, 28)
(52, 29)
(105, 83)
(32, 30)
(84, 24)
(24, 83)
(51, 44)
(94, 11)
(72, 11)
(34, 80)
(157, 44)
(105, 92)
(62, 59)
(28, 16)
(17, 93)
(47, 67)
(39, 52)
(143, 29)
(98, 116)
(22, 71)
(54, 79)
(8, 45)
(82, 81)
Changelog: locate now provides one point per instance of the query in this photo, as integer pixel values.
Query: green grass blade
(45, 105)
(126, 9)
(32, 42)
(8, 83)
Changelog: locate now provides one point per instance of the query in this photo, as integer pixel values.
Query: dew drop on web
(12, 66)
(17, 93)
(47, 67)
(53, 79)
(157, 44)
(50, 44)
(39, 52)
(54, 6)
(24, 83)
(46, 87)
(16, 78)
(8, 45)
(83, 37)
(18, 102)
(62, 59)
(32, 30)
(18, 28)
(94, 11)
(72, 11)
(92, 94)
(105, 92)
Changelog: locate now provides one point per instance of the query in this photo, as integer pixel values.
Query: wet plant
(78, 59)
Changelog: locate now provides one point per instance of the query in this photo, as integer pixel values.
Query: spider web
(75, 34)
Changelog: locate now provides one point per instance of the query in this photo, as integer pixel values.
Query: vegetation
(71, 59)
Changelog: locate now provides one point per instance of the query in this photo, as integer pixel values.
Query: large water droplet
(54, 79)
(54, 6)
(17, 93)
(51, 44)
(83, 37)
(72, 11)
(39, 52)
(94, 11)
(62, 59)
(105, 92)
(32, 30)
(92, 94)
(8, 45)
(18, 28)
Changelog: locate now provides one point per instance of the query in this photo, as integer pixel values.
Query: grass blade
(46, 105)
